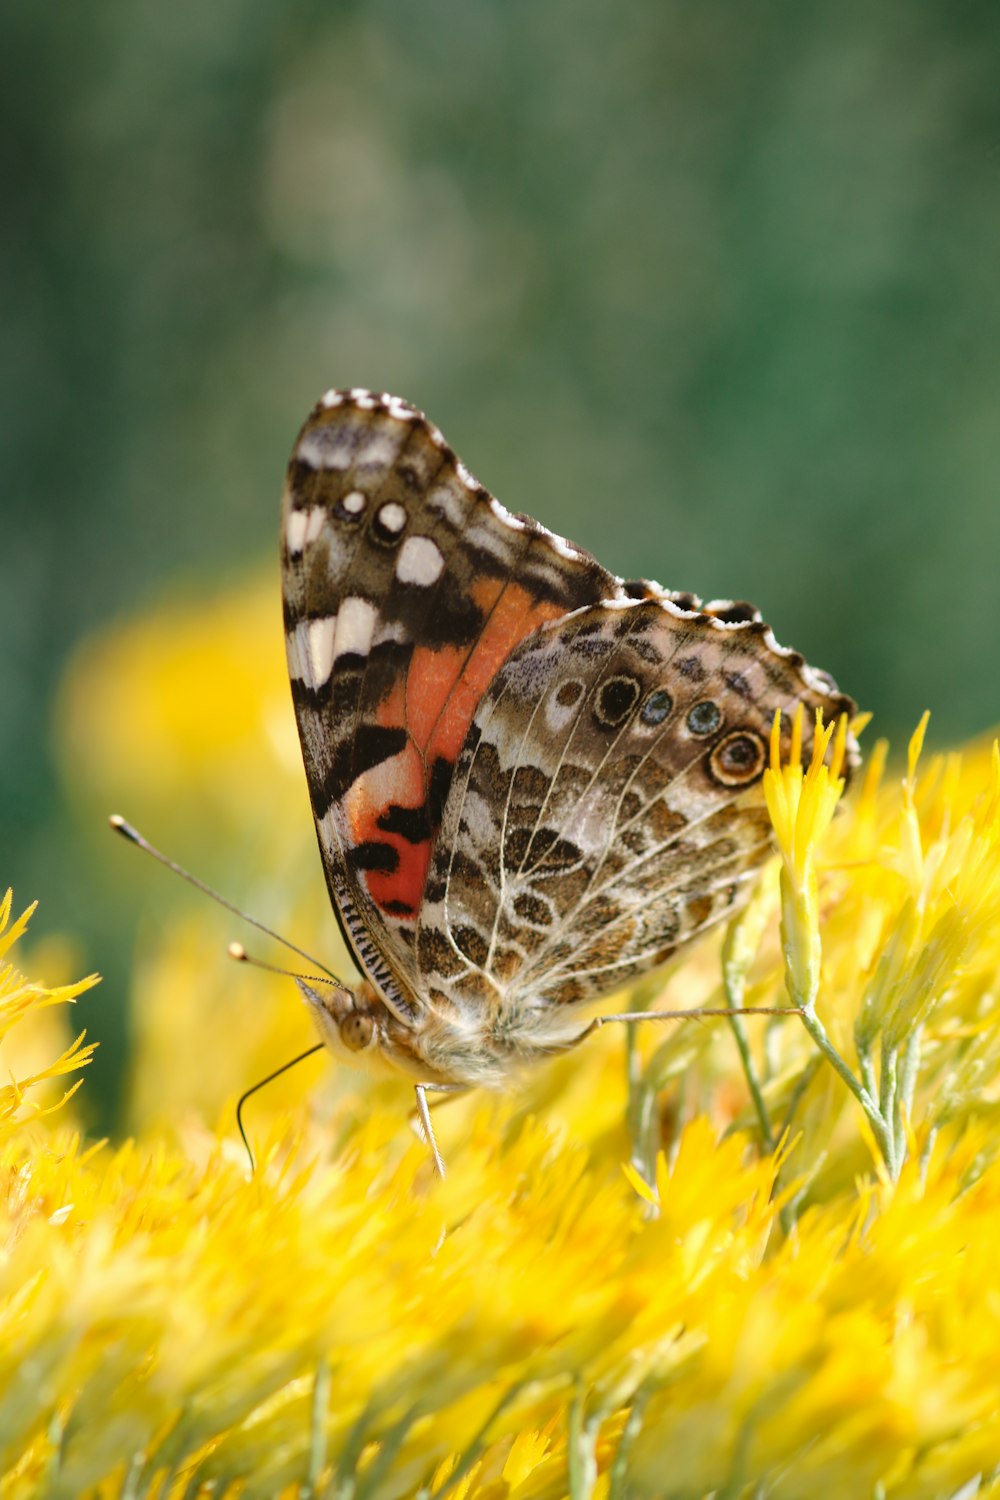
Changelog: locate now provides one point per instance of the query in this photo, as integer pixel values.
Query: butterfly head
(347, 1020)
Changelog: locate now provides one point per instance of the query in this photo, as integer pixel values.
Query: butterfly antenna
(133, 835)
(254, 1088)
(237, 952)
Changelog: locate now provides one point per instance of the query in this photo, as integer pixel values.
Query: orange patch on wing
(435, 704)
(434, 675)
(399, 782)
(514, 615)
(403, 886)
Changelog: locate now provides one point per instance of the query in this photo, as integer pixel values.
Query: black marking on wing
(373, 855)
(370, 746)
(437, 792)
(416, 824)
(449, 618)
(411, 823)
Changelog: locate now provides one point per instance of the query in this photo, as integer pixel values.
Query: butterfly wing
(607, 804)
(406, 586)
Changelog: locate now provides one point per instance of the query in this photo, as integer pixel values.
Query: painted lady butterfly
(531, 780)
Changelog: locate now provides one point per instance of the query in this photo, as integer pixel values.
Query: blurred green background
(712, 288)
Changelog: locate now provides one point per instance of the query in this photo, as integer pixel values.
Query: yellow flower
(816, 1318)
(20, 1000)
(802, 805)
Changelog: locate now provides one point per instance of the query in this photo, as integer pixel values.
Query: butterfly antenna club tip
(119, 824)
(237, 952)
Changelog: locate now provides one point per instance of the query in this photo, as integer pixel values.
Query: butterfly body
(531, 780)
(452, 1046)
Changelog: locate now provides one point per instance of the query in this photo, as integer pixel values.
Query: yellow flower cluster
(21, 1000)
(731, 1261)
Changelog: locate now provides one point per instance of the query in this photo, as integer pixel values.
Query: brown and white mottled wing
(406, 586)
(607, 806)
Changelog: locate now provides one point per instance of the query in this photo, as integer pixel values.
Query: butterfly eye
(739, 759)
(656, 707)
(615, 700)
(704, 718)
(357, 1031)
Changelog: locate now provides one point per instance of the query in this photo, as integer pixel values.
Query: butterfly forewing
(406, 586)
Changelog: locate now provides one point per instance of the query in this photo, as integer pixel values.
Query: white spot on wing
(558, 715)
(448, 502)
(773, 644)
(392, 516)
(390, 630)
(559, 544)
(295, 530)
(353, 503)
(816, 680)
(303, 527)
(489, 539)
(420, 561)
(469, 480)
(324, 448)
(355, 626)
(503, 514)
(319, 648)
(380, 445)
(294, 643)
(669, 607)
(332, 398)
(376, 787)
(480, 815)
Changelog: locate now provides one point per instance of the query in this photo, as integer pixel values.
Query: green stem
(130, 1484)
(582, 1451)
(641, 1109)
(887, 1102)
(750, 1072)
(317, 1430)
(735, 960)
(817, 1031)
(618, 1474)
(908, 1084)
(866, 1067)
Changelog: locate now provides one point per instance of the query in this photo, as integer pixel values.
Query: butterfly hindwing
(607, 804)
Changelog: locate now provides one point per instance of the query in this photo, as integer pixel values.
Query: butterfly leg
(689, 1015)
(424, 1116)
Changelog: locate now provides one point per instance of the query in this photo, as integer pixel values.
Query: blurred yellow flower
(22, 1001)
(715, 1269)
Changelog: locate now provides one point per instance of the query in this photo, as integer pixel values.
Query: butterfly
(532, 781)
